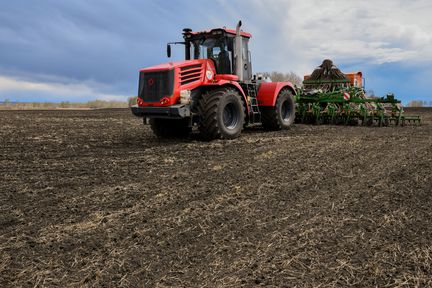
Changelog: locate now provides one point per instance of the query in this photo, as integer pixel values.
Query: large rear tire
(282, 115)
(170, 128)
(221, 114)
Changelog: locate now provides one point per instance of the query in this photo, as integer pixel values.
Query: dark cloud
(104, 41)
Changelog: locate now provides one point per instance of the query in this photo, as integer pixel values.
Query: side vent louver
(190, 74)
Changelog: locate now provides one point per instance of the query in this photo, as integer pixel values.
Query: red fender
(233, 84)
(269, 91)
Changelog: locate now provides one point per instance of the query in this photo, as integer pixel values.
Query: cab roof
(228, 31)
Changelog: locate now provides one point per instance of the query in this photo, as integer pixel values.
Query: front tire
(221, 113)
(170, 128)
(282, 115)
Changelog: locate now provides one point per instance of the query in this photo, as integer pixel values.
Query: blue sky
(58, 50)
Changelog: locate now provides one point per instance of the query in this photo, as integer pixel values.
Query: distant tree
(64, 104)
(6, 103)
(283, 77)
(417, 103)
(370, 94)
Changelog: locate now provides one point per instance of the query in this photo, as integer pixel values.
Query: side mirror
(168, 50)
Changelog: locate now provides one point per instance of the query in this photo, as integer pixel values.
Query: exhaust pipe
(238, 52)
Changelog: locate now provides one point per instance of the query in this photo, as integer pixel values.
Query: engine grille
(153, 86)
(190, 74)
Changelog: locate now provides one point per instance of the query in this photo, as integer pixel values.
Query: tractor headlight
(209, 74)
(185, 96)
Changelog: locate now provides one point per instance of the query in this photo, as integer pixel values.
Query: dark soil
(92, 198)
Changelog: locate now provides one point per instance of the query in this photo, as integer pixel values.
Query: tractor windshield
(216, 49)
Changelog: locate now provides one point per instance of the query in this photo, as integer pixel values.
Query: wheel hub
(230, 116)
(286, 111)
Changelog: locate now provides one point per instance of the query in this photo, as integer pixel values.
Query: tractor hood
(161, 84)
(173, 65)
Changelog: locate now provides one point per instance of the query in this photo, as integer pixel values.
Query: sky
(80, 50)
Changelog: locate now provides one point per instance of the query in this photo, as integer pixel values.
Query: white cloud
(87, 90)
(296, 35)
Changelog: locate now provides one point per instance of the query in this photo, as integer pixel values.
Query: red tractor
(213, 88)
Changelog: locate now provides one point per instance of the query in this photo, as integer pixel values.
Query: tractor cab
(220, 46)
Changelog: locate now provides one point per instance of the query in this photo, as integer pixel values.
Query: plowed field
(92, 198)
